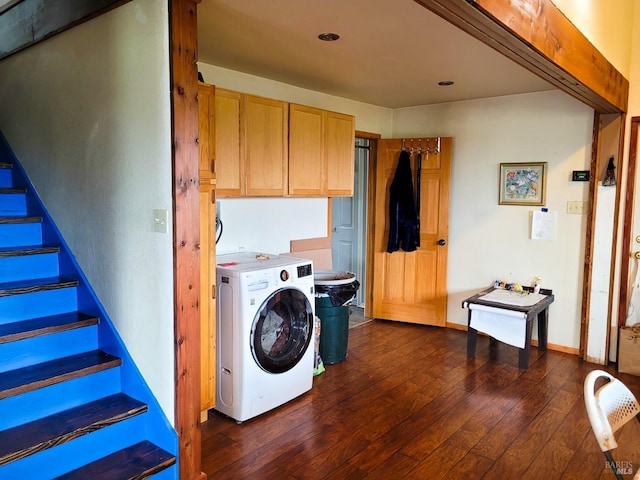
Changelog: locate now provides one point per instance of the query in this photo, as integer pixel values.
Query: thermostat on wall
(580, 176)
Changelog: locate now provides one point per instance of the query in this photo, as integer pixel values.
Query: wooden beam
(31, 21)
(186, 232)
(537, 36)
(7, 4)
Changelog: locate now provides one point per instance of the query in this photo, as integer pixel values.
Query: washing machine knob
(284, 275)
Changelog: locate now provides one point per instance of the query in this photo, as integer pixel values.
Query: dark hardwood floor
(407, 403)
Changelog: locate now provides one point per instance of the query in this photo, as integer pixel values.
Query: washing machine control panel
(304, 270)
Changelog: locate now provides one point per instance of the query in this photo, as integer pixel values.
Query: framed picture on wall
(523, 183)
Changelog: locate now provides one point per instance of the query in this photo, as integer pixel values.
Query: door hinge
(213, 292)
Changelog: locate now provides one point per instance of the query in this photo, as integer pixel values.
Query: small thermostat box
(580, 176)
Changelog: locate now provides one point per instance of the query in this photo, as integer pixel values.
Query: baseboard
(550, 346)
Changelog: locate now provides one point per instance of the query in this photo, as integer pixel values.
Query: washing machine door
(282, 330)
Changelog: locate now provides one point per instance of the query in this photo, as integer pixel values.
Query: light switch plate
(160, 221)
(576, 208)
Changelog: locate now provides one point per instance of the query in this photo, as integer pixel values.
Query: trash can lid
(333, 277)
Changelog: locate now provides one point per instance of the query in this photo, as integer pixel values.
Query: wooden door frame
(506, 26)
(369, 221)
(596, 167)
(625, 254)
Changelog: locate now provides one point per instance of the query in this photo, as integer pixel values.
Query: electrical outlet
(577, 208)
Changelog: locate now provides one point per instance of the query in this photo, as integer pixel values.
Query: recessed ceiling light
(328, 37)
(446, 83)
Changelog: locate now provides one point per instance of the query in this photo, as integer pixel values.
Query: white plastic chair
(609, 408)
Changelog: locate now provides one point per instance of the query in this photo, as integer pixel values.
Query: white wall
(91, 126)
(634, 110)
(634, 77)
(608, 26)
(268, 225)
(369, 118)
(488, 241)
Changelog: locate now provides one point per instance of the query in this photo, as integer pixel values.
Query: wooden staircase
(72, 403)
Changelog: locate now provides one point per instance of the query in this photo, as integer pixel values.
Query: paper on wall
(543, 225)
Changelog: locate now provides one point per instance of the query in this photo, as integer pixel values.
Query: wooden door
(266, 146)
(412, 286)
(307, 168)
(229, 151)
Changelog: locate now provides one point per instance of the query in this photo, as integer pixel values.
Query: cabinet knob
(442, 242)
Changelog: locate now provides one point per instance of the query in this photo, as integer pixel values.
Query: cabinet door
(206, 140)
(339, 153)
(265, 142)
(307, 168)
(229, 152)
(207, 298)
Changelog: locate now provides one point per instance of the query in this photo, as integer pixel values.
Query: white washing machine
(265, 334)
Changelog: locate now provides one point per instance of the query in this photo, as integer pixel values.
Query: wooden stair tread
(21, 219)
(135, 462)
(26, 379)
(62, 427)
(35, 327)
(22, 251)
(37, 285)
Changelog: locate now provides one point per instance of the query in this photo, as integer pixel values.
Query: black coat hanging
(404, 229)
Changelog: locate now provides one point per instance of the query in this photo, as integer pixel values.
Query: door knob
(442, 241)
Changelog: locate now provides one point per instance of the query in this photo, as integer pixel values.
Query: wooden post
(186, 232)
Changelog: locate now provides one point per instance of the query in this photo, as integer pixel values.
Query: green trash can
(335, 290)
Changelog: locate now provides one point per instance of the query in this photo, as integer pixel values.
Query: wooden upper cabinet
(321, 152)
(270, 148)
(307, 166)
(206, 128)
(339, 152)
(229, 150)
(266, 148)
